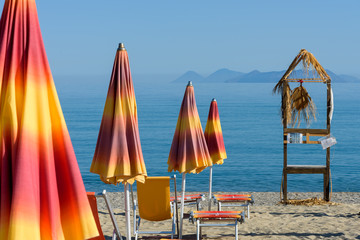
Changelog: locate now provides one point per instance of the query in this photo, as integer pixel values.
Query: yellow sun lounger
(154, 204)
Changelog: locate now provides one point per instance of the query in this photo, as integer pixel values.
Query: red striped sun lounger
(216, 219)
(231, 200)
(191, 199)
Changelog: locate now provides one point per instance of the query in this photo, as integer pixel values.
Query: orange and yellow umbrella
(215, 141)
(213, 135)
(189, 152)
(118, 156)
(42, 195)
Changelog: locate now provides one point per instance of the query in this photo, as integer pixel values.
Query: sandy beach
(269, 219)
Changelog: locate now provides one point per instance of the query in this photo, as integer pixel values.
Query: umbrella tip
(189, 84)
(213, 100)
(121, 47)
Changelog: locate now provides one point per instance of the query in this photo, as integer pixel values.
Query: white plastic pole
(182, 203)
(210, 186)
(127, 211)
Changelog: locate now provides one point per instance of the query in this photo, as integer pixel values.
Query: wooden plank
(305, 169)
(303, 79)
(307, 141)
(320, 132)
(313, 81)
(304, 142)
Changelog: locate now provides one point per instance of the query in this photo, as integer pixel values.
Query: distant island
(230, 76)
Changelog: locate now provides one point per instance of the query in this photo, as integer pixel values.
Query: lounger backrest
(154, 198)
(94, 209)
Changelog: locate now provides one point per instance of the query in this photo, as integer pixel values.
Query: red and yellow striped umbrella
(118, 156)
(215, 141)
(213, 135)
(189, 152)
(42, 195)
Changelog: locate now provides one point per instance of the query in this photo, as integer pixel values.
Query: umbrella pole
(127, 211)
(210, 186)
(182, 203)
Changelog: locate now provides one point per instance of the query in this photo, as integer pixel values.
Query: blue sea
(252, 130)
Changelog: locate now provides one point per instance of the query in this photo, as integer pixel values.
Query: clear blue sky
(172, 37)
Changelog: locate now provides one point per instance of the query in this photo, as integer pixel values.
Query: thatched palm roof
(310, 64)
(298, 103)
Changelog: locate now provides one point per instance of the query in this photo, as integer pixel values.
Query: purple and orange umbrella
(42, 195)
(118, 156)
(215, 141)
(189, 152)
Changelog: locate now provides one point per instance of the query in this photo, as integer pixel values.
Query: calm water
(251, 127)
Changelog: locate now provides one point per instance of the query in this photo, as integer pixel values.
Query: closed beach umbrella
(118, 156)
(42, 195)
(215, 141)
(189, 152)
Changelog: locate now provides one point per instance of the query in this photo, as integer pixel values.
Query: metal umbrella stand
(215, 141)
(189, 152)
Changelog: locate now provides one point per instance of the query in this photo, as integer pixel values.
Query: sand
(269, 219)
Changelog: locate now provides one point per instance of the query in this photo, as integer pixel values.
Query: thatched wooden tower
(297, 105)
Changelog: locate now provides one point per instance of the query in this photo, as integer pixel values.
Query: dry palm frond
(310, 63)
(308, 202)
(286, 105)
(302, 106)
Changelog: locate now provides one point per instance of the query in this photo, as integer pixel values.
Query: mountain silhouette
(190, 76)
(230, 76)
(222, 75)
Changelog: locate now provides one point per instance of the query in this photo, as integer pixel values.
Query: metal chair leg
(248, 211)
(112, 216)
(236, 230)
(173, 221)
(114, 235)
(197, 229)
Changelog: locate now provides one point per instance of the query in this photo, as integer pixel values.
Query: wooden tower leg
(284, 170)
(285, 187)
(327, 177)
(325, 185)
